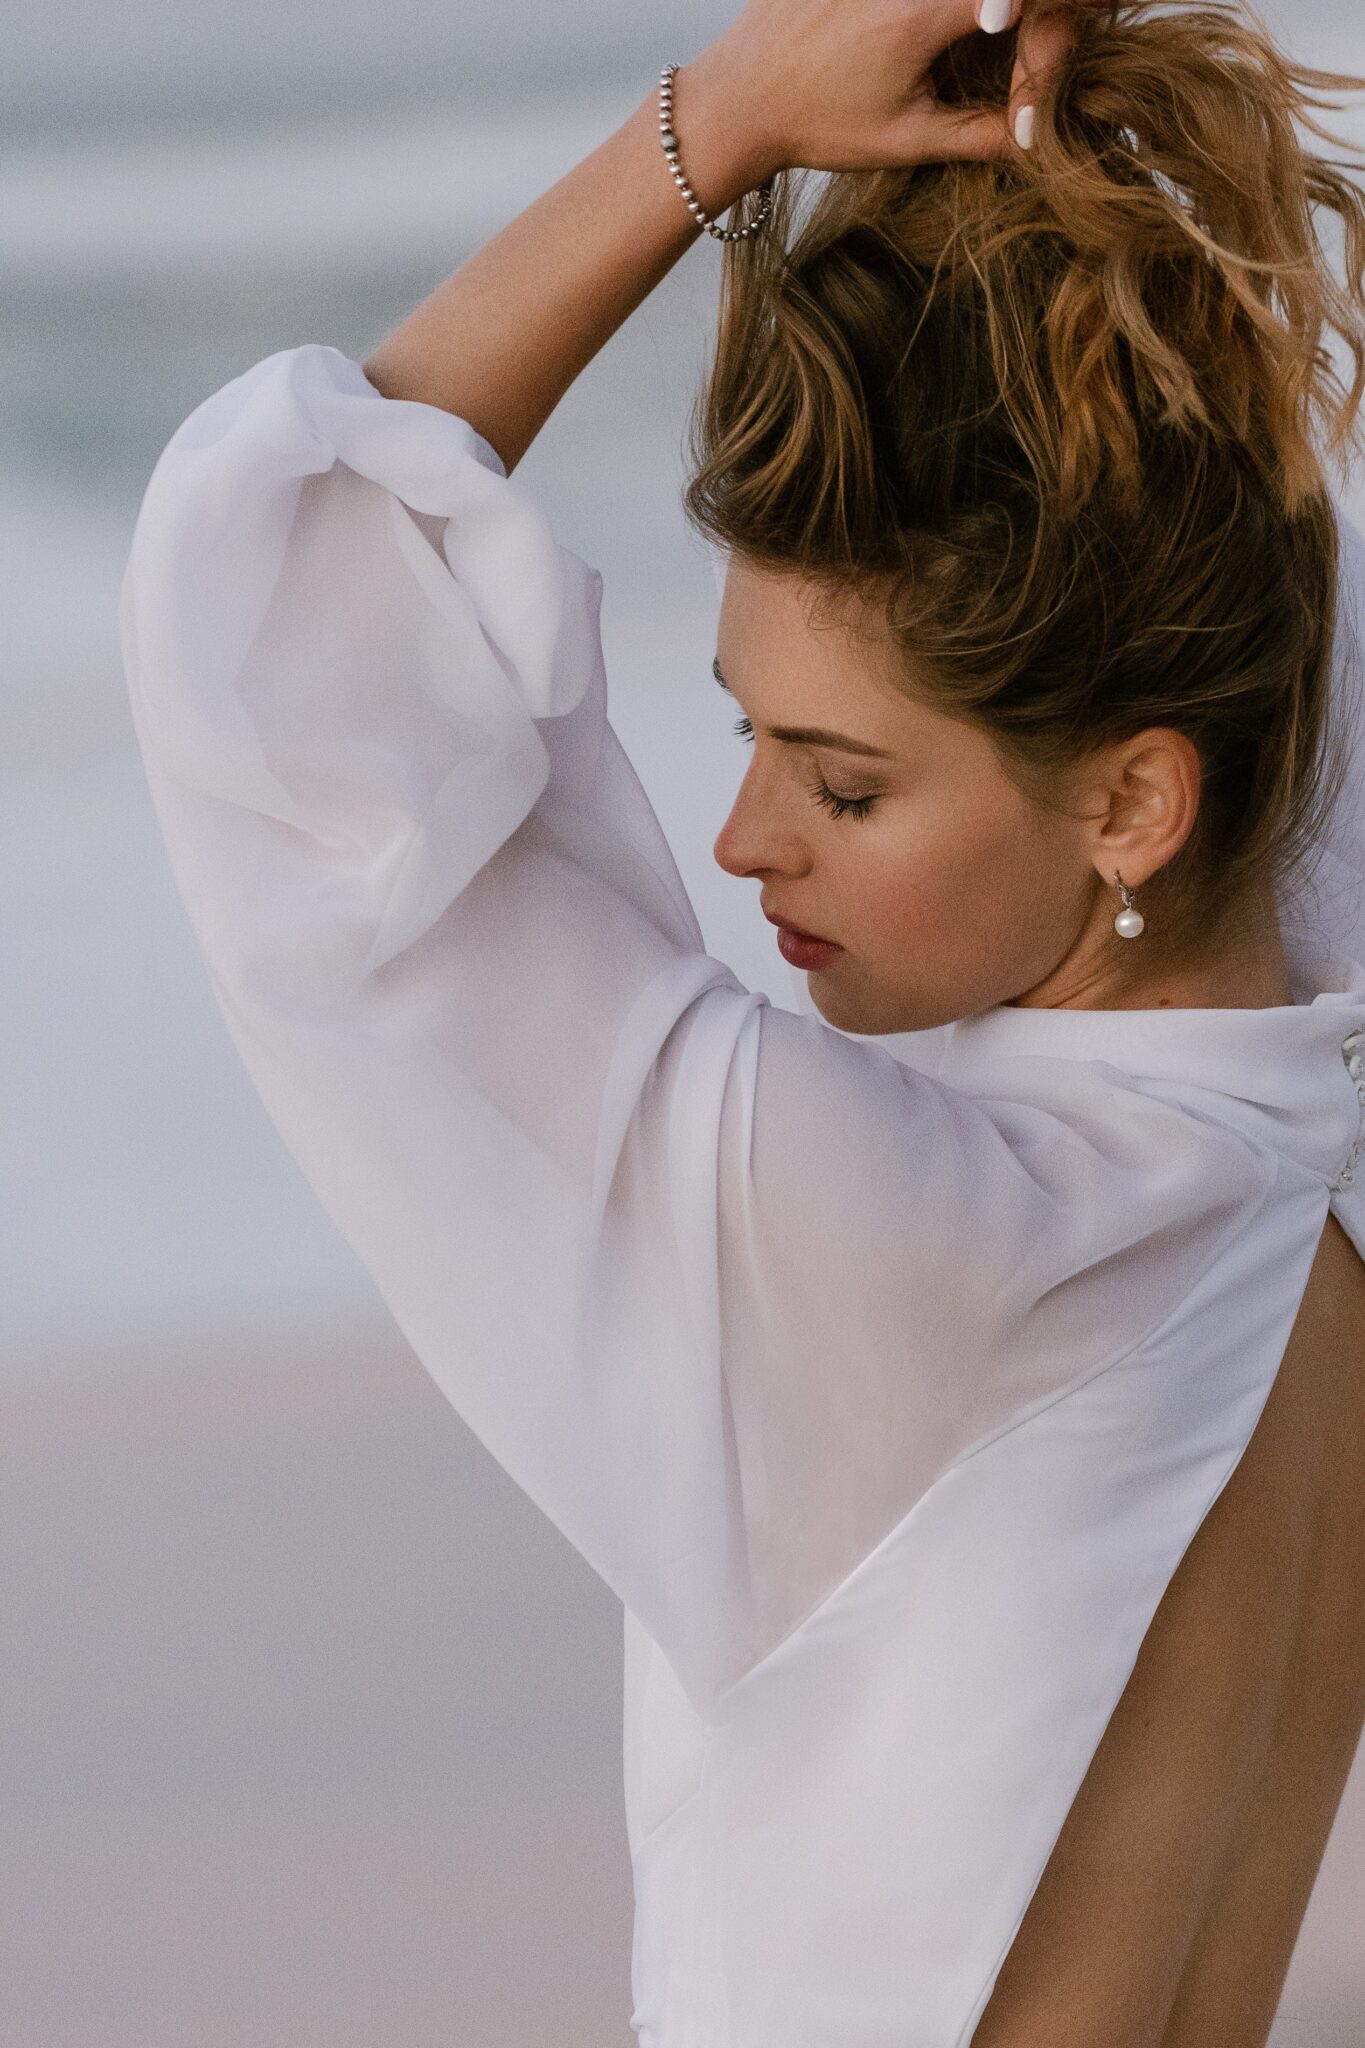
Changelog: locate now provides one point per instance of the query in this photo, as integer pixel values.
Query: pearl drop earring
(1129, 922)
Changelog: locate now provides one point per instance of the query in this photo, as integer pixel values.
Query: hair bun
(1169, 163)
(1066, 413)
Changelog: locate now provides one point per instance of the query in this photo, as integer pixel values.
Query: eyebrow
(815, 735)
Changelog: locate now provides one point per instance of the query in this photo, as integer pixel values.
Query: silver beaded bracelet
(670, 148)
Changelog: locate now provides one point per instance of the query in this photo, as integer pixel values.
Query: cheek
(931, 870)
(974, 904)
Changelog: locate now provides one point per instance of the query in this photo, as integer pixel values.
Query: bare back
(1168, 1913)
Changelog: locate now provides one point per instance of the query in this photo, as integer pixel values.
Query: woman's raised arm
(503, 338)
(828, 84)
(693, 1268)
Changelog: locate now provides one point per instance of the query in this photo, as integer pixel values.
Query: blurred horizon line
(355, 190)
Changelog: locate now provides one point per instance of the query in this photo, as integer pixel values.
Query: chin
(877, 1015)
(867, 1016)
(833, 1007)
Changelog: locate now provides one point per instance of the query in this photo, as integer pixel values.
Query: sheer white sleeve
(723, 1290)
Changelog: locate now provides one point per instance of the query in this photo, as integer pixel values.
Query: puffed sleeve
(723, 1290)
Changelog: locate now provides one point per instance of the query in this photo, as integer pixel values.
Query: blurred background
(309, 1723)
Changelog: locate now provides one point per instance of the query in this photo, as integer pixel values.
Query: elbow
(385, 375)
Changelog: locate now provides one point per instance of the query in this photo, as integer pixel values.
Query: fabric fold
(884, 1396)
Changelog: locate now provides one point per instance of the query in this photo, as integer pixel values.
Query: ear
(1141, 801)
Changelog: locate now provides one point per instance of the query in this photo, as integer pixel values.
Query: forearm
(501, 340)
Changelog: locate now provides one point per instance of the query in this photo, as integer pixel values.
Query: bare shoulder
(1169, 1910)
(1312, 1470)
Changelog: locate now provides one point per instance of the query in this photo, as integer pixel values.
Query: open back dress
(885, 1382)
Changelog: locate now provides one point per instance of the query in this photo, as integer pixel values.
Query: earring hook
(1130, 922)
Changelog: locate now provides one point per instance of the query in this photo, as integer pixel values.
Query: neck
(1243, 966)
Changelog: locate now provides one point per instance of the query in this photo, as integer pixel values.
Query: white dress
(886, 1397)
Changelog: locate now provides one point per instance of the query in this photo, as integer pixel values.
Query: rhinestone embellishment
(1353, 1053)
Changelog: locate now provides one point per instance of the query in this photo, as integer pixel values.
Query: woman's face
(946, 889)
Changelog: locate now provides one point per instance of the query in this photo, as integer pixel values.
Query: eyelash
(841, 806)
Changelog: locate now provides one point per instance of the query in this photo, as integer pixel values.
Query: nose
(755, 839)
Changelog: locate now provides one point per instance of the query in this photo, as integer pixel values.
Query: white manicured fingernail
(993, 15)
(1023, 127)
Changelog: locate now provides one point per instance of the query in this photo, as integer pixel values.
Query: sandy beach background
(309, 1724)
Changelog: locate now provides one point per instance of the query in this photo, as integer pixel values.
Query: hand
(845, 85)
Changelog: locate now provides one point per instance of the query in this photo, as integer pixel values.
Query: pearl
(1129, 923)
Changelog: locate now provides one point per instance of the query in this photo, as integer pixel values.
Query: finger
(1046, 35)
(975, 132)
(948, 21)
(994, 16)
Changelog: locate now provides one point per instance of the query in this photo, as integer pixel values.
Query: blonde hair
(1064, 417)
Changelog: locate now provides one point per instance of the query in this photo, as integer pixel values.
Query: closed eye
(839, 806)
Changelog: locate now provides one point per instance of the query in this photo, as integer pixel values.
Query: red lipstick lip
(796, 930)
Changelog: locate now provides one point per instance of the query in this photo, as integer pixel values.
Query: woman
(887, 1388)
